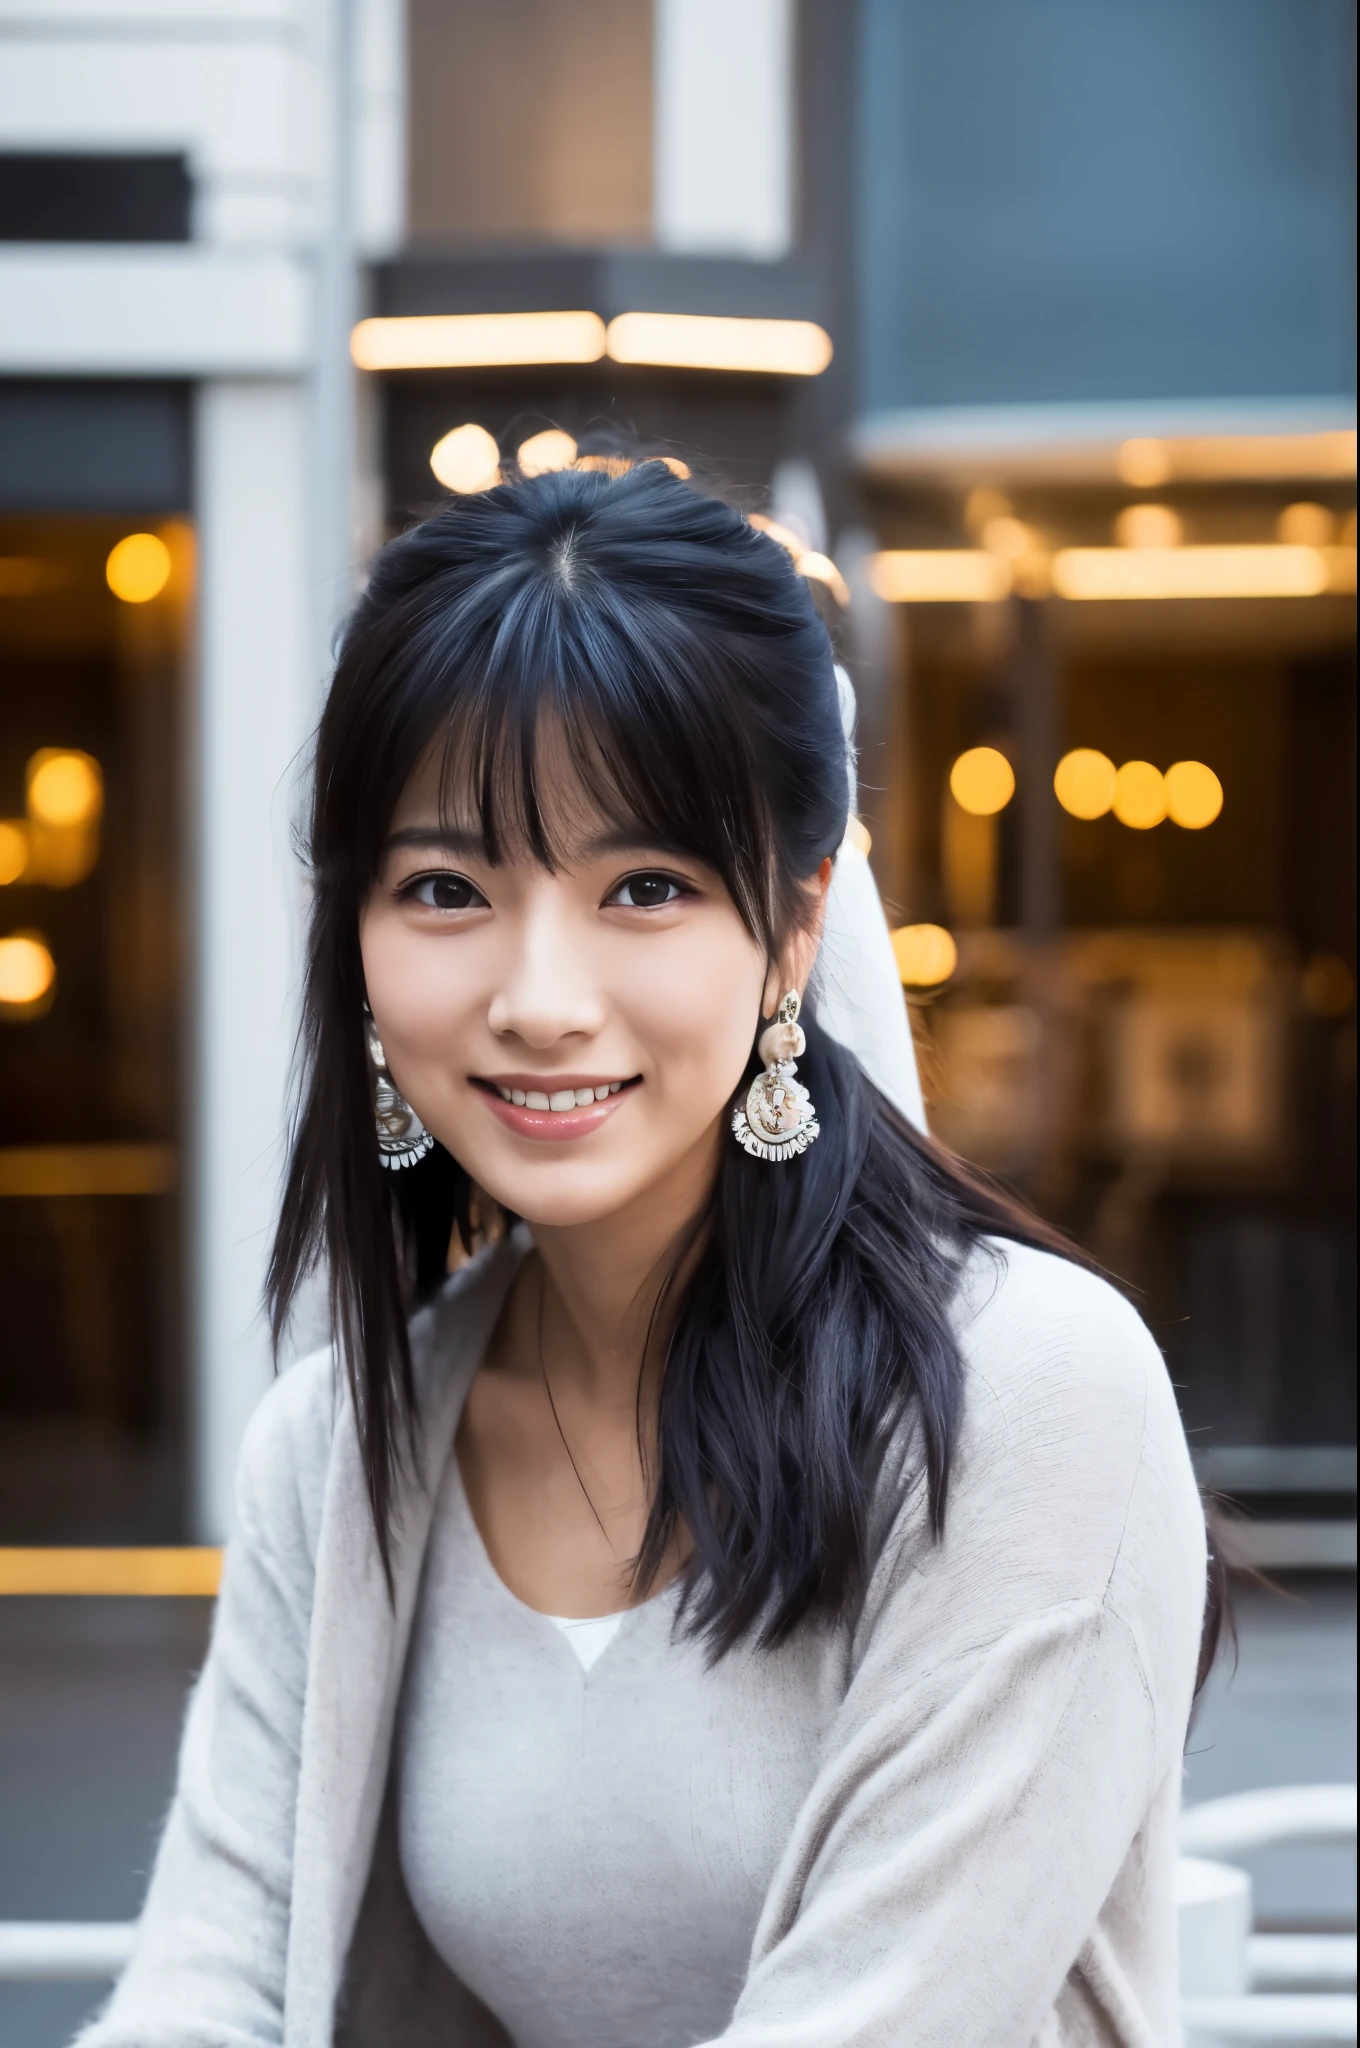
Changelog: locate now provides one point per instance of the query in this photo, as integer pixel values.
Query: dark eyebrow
(470, 844)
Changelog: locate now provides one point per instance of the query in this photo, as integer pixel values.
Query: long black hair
(693, 676)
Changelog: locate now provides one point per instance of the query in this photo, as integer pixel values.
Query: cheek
(695, 1010)
(412, 993)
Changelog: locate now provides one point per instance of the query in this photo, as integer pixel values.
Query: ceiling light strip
(694, 341)
(681, 341)
(468, 341)
(1267, 570)
(975, 576)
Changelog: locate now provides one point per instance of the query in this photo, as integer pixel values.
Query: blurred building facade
(1077, 480)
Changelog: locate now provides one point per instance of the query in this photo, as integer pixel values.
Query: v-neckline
(546, 1624)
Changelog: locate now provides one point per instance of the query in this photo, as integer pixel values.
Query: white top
(588, 1835)
(980, 1851)
(589, 1638)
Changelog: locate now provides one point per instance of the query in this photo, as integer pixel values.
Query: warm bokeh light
(1008, 537)
(1149, 526)
(983, 504)
(1032, 574)
(27, 971)
(925, 953)
(138, 568)
(552, 449)
(463, 341)
(14, 850)
(65, 787)
(822, 569)
(1194, 795)
(1140, 795)
(785, 535)
(1264, 458)
(1305, 526)
(857, 834)
(939, 576)
(1143, 463)
(808, 561)
(1083, 783)
(1340, 563)
(677, 467)
(1187, 572)
(466, 459)
(699, 341)
(982, 781)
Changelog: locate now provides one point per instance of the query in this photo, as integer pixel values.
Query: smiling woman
(523, 1006)
(710, 1614)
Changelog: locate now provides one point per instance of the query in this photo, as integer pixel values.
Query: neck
(603, 1280)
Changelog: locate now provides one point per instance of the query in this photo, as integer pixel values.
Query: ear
(793, 968)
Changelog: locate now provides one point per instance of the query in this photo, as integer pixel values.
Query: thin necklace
(547, 1388)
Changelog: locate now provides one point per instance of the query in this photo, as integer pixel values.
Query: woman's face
(573, 1039)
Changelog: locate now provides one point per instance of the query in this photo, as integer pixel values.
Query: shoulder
(1049, 1346)
(1072, 1464)
(288, 1443)
(286, 1449)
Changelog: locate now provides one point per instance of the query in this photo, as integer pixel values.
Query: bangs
(584, 651)
(569, 722)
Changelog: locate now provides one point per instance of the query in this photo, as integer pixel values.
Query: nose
(547, 992)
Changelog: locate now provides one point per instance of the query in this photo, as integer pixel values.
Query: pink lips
(549, 1126)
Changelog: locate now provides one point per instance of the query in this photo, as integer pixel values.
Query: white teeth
(561, 1098)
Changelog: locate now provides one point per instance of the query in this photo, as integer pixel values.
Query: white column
(256, 704)
(723, 124)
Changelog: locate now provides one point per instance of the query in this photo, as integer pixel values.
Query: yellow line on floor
(87, 1169)
(157, 1573)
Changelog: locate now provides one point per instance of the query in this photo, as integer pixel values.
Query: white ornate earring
(402, 1137)
(778, 1120)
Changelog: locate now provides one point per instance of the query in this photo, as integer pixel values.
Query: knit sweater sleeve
(208, 1967)
(1015, 1712)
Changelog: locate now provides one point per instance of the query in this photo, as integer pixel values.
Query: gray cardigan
(986, 1854)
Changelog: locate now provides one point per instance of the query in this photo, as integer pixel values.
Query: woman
(758, 1600)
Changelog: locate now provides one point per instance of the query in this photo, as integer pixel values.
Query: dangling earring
(779, 1119)
(402, 1137)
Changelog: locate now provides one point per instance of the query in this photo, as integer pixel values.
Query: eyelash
(681, 888)
(409, 892)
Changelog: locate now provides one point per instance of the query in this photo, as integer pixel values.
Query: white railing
(1241, 1989)
(1247, 1990)
(47, 1951)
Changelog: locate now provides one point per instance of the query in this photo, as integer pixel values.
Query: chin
(568, 1205)
(559, 1191)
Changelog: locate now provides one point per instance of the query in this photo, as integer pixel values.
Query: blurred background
(1030, 331)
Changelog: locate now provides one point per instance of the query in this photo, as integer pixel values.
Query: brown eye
(647, 892)
(445, 892)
